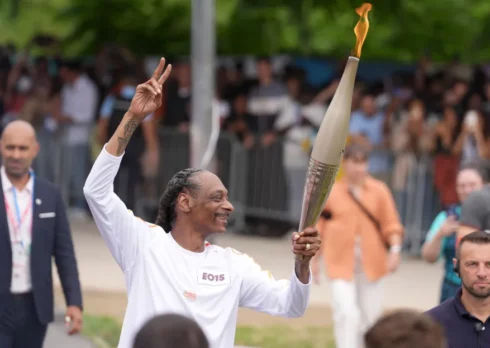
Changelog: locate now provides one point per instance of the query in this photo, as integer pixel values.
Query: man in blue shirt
(366, 128)
(465, 317)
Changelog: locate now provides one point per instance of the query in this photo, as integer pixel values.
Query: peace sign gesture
(148, 96)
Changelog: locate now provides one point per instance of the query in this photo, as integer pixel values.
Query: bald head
(19, 147)
(19, 128)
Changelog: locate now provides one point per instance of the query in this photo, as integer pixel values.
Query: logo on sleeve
(190, 295)
(213, 277)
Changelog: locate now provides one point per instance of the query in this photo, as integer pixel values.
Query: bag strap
(368, 214)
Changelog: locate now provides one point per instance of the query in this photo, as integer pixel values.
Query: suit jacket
(51, 237)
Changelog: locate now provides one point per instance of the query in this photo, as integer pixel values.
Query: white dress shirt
(20, 234)
(163, 277)
(79, 101)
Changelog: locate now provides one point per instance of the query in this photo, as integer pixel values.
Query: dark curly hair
(180, 181)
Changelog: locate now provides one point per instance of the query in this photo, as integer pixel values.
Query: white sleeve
(86, 105)
(261, 292)
(125, 234)
(287, 116)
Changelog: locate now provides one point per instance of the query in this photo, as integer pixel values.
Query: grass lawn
(102, 330)
(105, 329)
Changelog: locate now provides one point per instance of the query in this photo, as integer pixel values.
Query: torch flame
(362, 27)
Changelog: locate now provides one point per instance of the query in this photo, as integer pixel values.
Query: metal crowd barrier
(257, 181)
(258, 187)
(229, 162)
(55, 162)
(418, 204)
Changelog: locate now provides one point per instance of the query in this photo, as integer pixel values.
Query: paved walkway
(57, 337)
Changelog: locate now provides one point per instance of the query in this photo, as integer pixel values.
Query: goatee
(477, 294)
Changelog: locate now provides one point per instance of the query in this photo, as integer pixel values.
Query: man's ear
(456, 266)
(183, 202)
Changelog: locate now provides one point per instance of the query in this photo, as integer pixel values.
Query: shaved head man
(19, 147)
(33, 229)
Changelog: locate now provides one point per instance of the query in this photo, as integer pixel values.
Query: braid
(180, 181)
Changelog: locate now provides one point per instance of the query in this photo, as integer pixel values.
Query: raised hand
(147, 99)
(148, 96)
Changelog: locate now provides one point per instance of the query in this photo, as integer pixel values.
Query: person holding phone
(441, 238)
(472, 143)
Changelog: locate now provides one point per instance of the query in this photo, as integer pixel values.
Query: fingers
(300, 248)
(309, 240)
(295, 236)
(159, 75)
(314, 245)
(76, 327)
(300, 240)
(309, 231)
(155, 85)
(165, 75)
(158, 71)
(149, 88)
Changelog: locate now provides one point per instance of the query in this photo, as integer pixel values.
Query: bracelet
(395, 249)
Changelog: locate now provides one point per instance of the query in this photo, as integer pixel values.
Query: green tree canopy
(400, 30)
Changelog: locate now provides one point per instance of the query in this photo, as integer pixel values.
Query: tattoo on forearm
(123, 141)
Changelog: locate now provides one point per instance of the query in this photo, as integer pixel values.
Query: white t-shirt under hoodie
(162, 277)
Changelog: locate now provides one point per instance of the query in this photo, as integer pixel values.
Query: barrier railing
(261, 184)
(229, 164)
(418, 202)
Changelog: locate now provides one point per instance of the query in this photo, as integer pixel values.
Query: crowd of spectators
(433, 118)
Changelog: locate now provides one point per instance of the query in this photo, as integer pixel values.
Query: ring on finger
(308, 246)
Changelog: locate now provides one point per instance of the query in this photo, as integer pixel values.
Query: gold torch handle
(320, 178)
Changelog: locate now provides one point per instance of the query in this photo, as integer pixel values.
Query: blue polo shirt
(461, 328)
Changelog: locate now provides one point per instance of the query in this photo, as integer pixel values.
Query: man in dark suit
(33, 229)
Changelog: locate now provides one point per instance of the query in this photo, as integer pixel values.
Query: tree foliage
(400, 30)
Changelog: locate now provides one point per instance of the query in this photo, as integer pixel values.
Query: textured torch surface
(319, 182)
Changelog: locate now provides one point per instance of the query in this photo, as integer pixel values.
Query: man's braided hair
(183, 180)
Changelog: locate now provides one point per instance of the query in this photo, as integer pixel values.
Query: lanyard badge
(19, 219)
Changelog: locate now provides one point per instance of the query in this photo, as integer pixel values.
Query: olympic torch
(332, 136)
